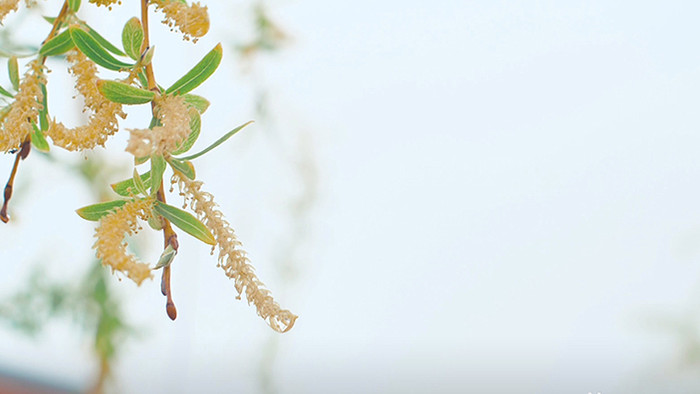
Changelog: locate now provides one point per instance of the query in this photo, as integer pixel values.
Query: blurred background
(454, 196)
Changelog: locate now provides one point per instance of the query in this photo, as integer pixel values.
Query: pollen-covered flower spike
(110, 234)
(25, 109)
(232, 259)
(174, 117)
(103, 119)
(191, 20)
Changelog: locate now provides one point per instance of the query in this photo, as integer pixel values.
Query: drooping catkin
(110, 245)
(174, 117)
(25, 109)
(102, 122)
(232, 259)
(7, 6)
(191, 20)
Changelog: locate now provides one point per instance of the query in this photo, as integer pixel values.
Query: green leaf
(13, 69)
(126, 187)
(122, 93)
(157, 170)
(5, 92)
(183, 166)
(142, 79)
(217, 143)
(44, 112)
(103, 41)
(58, 45)
(138, 183)
(148, 56)
(186, 222)
(195, 129)
(38, 139)
(97, 211)
(92, 49)
(197, 102)
(199, 73)
(74, 5)
(132, 38)
(50, 19)
(166, 258)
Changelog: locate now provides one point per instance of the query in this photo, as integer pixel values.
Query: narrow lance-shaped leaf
(199, 73)
(97, 211)
(92, 49)
(132, 38)
(103, 41)
(217, 143)
(38, 139)
(74, 5)
(5, 92)
(157, 170)
(122, 93)
(185, 167)
(186, 222)
(126, 187)
(13, 70)
(197, 102)
(44, 112)
(58, 45)
(138, 183)
(195, 129)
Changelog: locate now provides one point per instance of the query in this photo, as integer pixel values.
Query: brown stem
(169, 236)
(26, 146)
(21, 154)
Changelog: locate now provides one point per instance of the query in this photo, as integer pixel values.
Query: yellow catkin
(17, 124)
(106, 3)
(103, 120)
(192, 20)
(174, 117)
(232, 259)
(110, 244)
(7, 6)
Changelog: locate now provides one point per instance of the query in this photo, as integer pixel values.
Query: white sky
(508, 195)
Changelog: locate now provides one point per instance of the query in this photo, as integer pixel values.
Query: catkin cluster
(232, 259)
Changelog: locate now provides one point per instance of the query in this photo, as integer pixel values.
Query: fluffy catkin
(192, 20)
(103, 120)
(7, 6)
(173, 115)
(110, 234)
(232, 259)
(25, 108)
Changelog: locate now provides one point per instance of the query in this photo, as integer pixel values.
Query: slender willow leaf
(157, 170)
(74, 5)
(38, 139)
(185, 167)
(50, 19)
(122, 93)
(132, 38)
(197, 102)
(58, 45)
(97, 211)
(92, 49)
(44, 112)
(199, 73)
(186, 222)
(217, 143)
(5, 92)
(103, 41)
(195, 129)
(138, 183)
(126, 187)
(13, 70)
